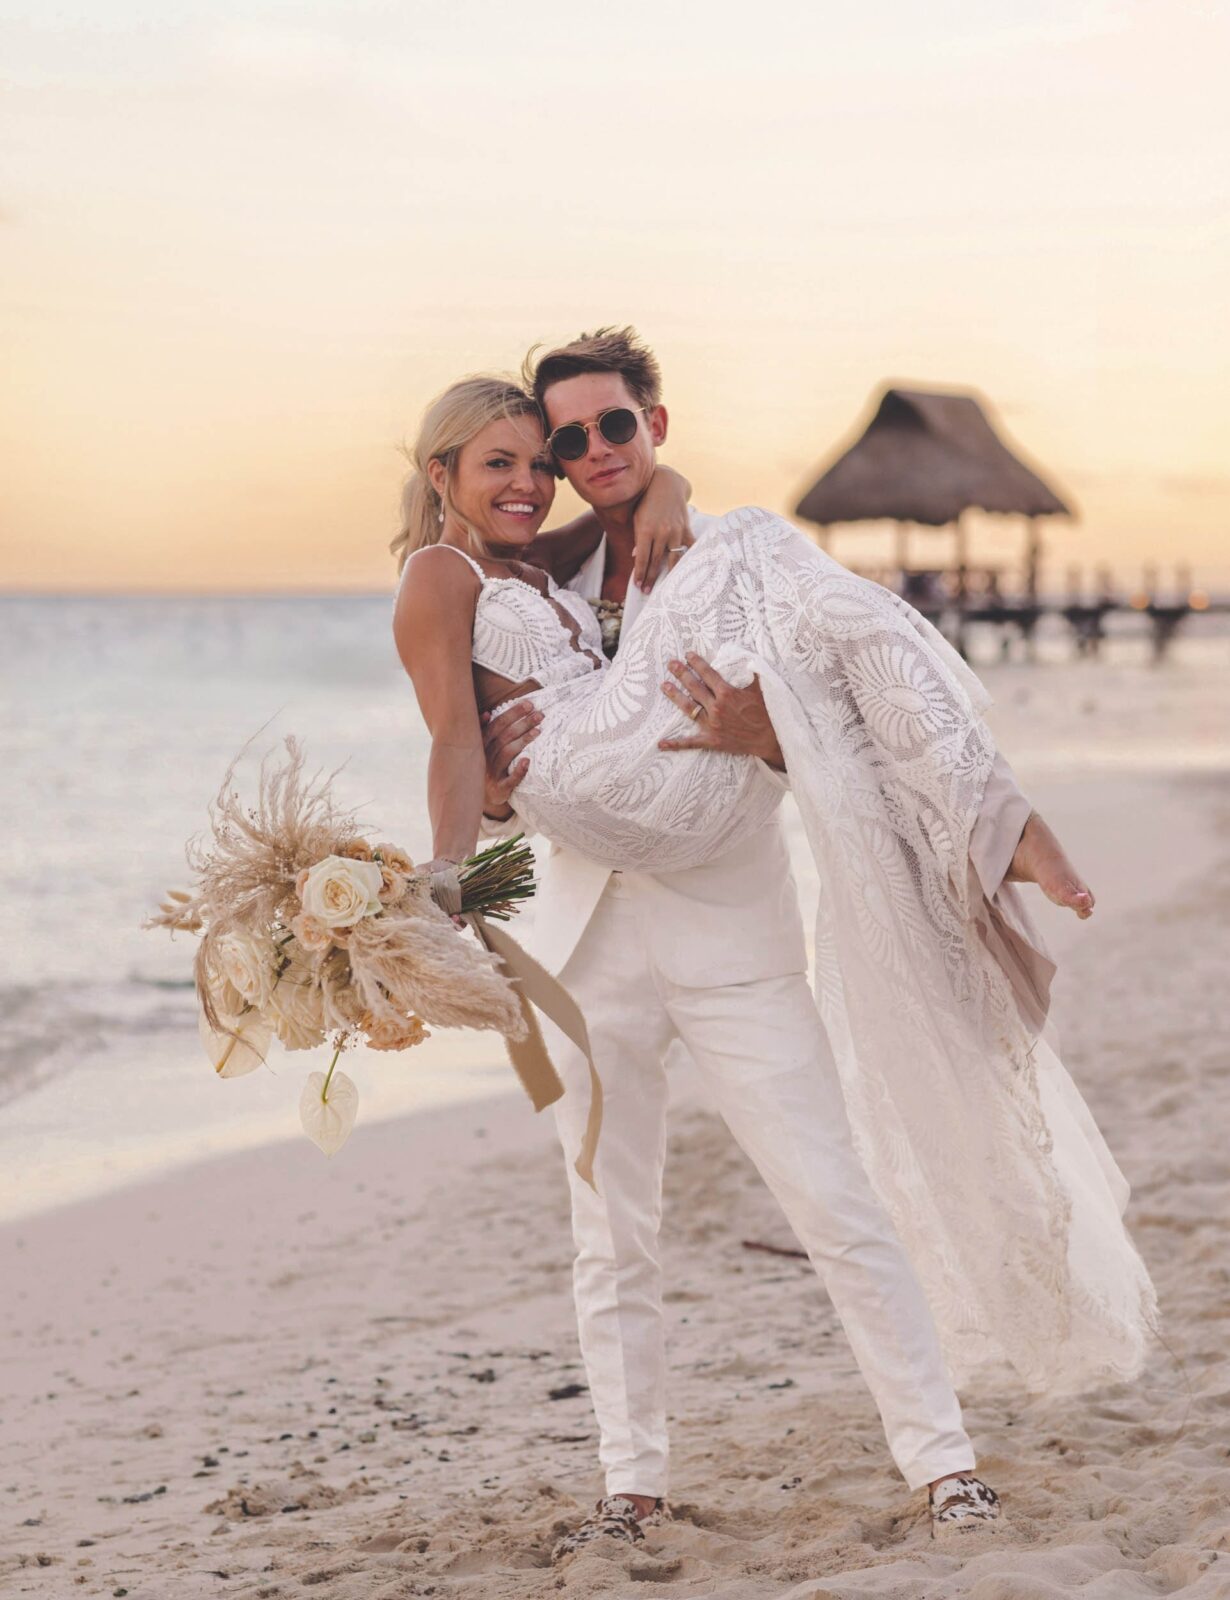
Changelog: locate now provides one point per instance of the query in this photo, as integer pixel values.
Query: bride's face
(503, 482)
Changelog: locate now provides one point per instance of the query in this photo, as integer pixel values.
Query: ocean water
(120, 718)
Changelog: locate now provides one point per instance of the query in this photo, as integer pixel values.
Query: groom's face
(607, 475)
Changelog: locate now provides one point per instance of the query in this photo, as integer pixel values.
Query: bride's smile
(501, 488)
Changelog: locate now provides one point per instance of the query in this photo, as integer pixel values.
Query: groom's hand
(731, 720)
(504, 738)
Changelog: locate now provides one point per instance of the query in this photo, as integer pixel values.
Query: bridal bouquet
(312, 935)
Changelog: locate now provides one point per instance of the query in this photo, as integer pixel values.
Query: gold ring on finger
(695, 712)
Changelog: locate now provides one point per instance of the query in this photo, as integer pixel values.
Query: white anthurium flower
(328, 1116)
(233, 1057)
(339, 891)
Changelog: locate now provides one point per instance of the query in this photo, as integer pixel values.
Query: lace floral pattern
(888, 755)
(524, 633)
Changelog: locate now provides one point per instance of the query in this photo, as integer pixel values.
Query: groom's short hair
(619, 350)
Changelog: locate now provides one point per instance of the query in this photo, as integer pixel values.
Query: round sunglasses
(571, 441)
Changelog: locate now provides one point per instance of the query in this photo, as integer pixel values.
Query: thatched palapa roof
(927, 457)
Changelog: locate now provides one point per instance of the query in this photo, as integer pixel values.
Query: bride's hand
(661, 526)
(504, 738)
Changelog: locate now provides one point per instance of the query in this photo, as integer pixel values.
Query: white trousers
(764, 1055)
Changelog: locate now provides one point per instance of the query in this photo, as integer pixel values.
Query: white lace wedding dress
(975, 1138)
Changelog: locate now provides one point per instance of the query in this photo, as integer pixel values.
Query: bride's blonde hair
(450, 421)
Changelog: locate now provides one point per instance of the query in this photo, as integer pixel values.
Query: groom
(714, 957)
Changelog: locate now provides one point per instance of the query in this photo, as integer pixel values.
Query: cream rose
(392, 886)
(339, 891)
(386, 1034)
(248, 963)
(393, 856)
(312, 935)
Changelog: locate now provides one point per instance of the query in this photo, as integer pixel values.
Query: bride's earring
(441, 518)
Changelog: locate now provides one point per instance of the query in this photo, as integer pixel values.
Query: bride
(975, 1138)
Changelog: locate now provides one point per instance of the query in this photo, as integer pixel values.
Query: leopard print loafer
(961, 1503)
(613, 1517)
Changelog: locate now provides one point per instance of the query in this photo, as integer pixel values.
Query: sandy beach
(271, 1375)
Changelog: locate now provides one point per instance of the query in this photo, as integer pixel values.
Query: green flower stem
(324, 1088)
(493, 881)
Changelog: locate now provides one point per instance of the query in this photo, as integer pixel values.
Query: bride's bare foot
(1040, 859)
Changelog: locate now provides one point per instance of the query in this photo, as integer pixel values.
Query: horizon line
(332, 593)
(1217, 591)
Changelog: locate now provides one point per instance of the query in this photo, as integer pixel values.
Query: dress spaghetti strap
(482, 576)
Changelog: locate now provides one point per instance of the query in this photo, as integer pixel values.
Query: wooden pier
(955, 599)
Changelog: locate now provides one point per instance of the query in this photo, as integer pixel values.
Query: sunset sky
(243, 244)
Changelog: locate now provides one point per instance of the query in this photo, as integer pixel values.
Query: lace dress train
(975, 1138)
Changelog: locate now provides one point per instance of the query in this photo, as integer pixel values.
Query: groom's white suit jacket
(729, 921)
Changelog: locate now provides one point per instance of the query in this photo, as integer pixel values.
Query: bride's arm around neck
(433, 628)
(661, 522)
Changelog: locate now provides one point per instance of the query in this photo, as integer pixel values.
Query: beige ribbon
(446, 889)
(529, 1056)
